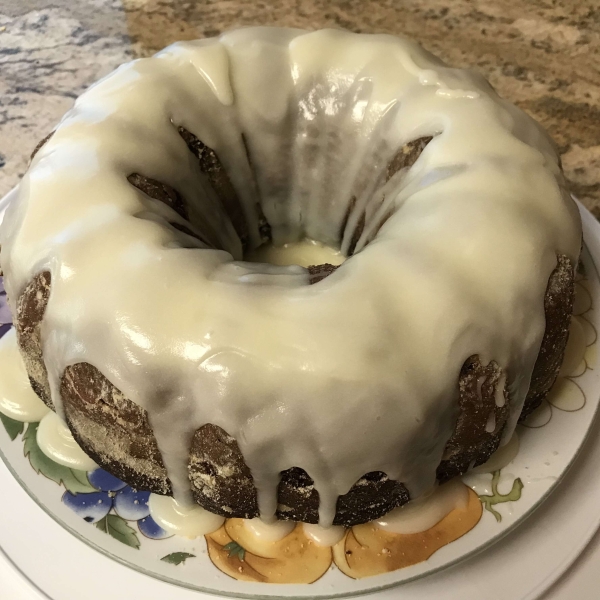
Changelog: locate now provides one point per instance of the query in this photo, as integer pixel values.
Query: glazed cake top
(357, 373)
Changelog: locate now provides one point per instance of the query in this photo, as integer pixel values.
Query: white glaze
(423, 513)
(56, 442)
(269, 532)
(499, 392)
(288, 369)
(324, 536)
(186, 521)
(17, 400)
(304, 253)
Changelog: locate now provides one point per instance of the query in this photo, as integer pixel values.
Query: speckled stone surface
(544, 55)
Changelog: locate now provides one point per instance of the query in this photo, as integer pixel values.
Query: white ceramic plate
(546, 453)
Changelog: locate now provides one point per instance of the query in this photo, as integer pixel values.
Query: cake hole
(304, 253)
(360, 221)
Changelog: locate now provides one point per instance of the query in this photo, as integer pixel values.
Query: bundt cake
(316, 393)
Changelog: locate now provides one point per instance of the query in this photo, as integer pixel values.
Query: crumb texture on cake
(327, 394)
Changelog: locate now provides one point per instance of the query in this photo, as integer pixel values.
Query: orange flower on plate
(367, 550)
(234, 550)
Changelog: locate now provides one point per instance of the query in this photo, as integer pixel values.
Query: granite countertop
(544, 55)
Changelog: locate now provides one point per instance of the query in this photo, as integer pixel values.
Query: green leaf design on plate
(234, 549)
(497, 498)
(118, 528)
(176, 558)
(13, 428)
(75, 481)
(82, 478)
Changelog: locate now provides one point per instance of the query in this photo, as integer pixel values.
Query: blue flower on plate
(114, 494)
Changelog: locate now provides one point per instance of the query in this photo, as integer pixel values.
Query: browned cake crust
(117, 434)
(40, 144)
(472, 444)
(160, 191)
(222, 483)
(558, 307)
(30, 311)
(318, 272)
(210, 165)
(111, 429)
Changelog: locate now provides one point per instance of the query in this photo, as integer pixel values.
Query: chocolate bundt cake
(325, 393)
